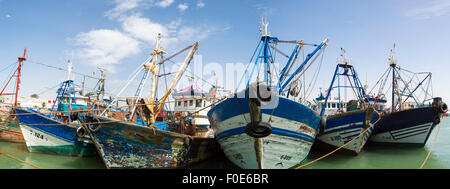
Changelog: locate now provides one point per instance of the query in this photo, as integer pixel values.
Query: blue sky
(119, 34)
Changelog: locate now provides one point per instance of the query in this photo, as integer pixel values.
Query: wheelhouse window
(198, 103)
(179, 103)
(191, 102)
(185, 103)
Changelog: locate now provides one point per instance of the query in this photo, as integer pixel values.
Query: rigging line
(58, 68)
(8, 66)
(198, 77)
(315, 78)
(10, 75)
(418, 80)
(48, 89)
(309, 65)
(381, 79)
(407, 88)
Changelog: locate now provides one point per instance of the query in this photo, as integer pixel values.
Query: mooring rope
(19, 160)
(426, 159)
(335, 150)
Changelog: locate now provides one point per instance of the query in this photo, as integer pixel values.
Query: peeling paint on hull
(343, 128)
(125, 145)
(294, 128)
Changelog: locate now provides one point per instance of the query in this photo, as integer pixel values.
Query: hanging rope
(432, 146)
(326, 155)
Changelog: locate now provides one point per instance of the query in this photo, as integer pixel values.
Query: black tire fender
(258, 129)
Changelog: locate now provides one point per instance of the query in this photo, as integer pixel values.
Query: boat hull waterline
(294, 128)
(408, 127)
(343, 128)
(45, 135)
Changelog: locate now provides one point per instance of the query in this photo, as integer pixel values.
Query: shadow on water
(219, 161)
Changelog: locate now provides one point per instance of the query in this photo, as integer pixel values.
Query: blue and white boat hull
(46, 135)
(348, 128)
(294, 128)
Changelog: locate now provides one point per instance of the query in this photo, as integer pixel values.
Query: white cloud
(164, 3)
(143, 28)
(200, 4)
(182, 7)
(8, 16)
(122, 6)
(105, 48)
(433, 9)
(188, 33)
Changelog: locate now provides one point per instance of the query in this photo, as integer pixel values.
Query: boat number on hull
(285, 157)
(38, 135)
(336, 138)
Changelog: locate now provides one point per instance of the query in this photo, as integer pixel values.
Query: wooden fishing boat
(55, 133)
(46, 134)
(146, 139)
(347, 125)
(411, 127)
(407, 124)
(353, 127)
(128, 145)
(262, 126)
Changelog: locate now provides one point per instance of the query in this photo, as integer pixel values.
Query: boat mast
(394, 86)
(173, 83)
(265, 35)
(153, 69)
(19, 69)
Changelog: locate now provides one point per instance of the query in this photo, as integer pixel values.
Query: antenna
(264, 24)
(69, 69)
(391, 57)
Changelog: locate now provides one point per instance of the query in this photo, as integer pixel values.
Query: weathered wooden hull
(10, 129)
(294, 127)
(126, 145)
(343, 128)
(45, 135)
(410, 127)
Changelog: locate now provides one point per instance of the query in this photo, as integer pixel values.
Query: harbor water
(12, 156)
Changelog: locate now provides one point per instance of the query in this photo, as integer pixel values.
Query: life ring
(178, 115)
(258, 129)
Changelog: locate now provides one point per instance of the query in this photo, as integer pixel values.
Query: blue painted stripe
(51, 134)
(346, 119)
(285, 108)
(351, 131)
(351, 136)
(276, 131)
